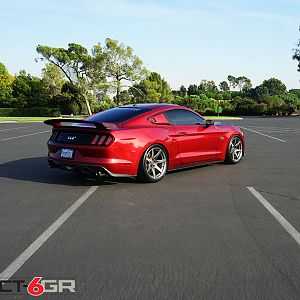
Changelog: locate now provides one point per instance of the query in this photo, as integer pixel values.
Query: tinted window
(118, 114)
(183, 117)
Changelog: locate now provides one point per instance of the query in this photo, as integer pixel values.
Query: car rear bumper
(91, 159)
(84, 168)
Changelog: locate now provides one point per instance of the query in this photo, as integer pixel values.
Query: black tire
(149, 164)
(235, 150)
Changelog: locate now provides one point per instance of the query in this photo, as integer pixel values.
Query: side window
(184, 117)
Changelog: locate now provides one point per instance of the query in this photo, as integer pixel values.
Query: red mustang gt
(141, 140)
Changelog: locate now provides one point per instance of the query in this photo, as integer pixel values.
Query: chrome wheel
(236, 149)
(155, 162)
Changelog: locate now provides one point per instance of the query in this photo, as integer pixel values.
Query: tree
(125, 97)
(82, 69)
(192, 90)
(121, 65)
(207, 86)
(6, 81)
(153, 88)
(243, 83)
(272, 87)
(292, 99)
(182, 91)
(224, 87)
(54, 78)
(296, 55)
(295, 92)
(29, 91)
(232, 81)
(69, 100)
(260, 91)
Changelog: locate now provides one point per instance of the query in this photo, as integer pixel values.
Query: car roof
(151, 106)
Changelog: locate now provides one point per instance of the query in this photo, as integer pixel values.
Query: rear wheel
(234, 150)
(153, 164)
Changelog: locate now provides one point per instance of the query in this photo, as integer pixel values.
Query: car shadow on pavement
(36, 170)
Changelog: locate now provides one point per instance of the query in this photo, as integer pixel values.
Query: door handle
(182, 133)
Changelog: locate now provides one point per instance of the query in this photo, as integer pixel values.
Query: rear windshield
(118, 114)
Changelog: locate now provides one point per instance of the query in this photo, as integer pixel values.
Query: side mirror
(209, 122)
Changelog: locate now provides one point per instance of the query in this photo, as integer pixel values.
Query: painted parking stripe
(32, 248)
(21, 136)
(272, 129)
(280, 219)
(15, 128)
(269, 136)
(281, 130)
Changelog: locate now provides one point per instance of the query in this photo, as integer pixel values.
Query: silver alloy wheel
(236, 149)
(155, 162)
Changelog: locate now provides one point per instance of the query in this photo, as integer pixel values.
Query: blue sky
(185, 41)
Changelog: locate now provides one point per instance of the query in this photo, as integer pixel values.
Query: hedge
(30, 112)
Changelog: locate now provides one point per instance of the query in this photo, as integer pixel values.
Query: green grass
(29, 119)
(222, 118)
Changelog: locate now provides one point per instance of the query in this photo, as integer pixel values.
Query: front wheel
(234, 150)
(153, 164)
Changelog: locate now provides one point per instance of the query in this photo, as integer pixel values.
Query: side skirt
(196, 165)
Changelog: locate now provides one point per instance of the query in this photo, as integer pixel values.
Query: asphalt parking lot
(202, 233)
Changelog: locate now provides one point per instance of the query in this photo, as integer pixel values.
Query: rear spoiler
(57, 123)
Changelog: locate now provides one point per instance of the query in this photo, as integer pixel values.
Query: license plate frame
(67, 153)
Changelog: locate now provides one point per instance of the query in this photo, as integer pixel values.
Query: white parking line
(269, 136)
(282, 221)
(267, 127)
(15, 128)
(20, 136)
(282, 131)
(32, 248)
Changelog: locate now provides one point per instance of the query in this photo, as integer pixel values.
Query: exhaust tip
(100, 174)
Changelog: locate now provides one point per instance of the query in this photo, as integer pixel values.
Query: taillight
(108, 141)
(57, 124)
(103, 140)
(53, 136)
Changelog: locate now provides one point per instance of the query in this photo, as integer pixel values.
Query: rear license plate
(67, 153)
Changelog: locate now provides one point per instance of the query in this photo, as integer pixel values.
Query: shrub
(248, 107)
(29, 112)
(98, 107)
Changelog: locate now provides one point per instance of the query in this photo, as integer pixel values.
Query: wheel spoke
(160, 161)
(153, 172)
(157, 168)
(152, 153)
(157, 154)
(234, 155)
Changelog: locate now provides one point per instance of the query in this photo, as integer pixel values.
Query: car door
(197, 142)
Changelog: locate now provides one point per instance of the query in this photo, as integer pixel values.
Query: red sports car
(143, 141)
